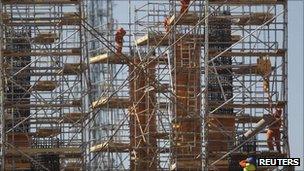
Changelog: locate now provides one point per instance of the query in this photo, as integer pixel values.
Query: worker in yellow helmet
(248, 164)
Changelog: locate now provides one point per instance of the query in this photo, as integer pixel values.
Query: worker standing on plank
(248, 164)
(273, 132)
(120, 33)
(184, 6)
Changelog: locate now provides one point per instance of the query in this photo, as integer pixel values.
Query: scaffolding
(195, 86)
(108, 143)
(43, 78)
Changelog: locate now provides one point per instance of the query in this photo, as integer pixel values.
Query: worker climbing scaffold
(273, 132)
(166, 24)
(264, 69)
(120, 33)
(184, 8)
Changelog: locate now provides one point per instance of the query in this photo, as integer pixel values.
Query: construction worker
(273, 132)
(264, 68)
(120, 33)
(184, 6)
(248, 164)
(166, 24)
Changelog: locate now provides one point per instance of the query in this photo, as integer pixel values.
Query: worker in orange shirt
(184, 6)
(273, 132)
(120, 33)
(166, 24)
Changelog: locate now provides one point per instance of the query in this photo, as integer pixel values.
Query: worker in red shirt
(273, 132)
(120, 33)
(184, 6)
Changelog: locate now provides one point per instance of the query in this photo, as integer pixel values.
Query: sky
(295, 71)
(296, 77)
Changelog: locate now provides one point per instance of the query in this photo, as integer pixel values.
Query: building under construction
(183, 85)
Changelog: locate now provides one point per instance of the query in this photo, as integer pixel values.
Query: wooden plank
(243, 118)
(277, 53)
(66, 52)
(238, 69)
(154, 38)
(114, 59)
(107, 58)
(47, 120)
(41, 23)
(27, 104)
(5, 17)
(186, 165)
(111, 146)
(246, 105)
(45, 38)
(18, 166)
(36, 23)
(68, 19)
(253, 19)
(19, 139)
(111, 103)
(47, 132)
(45, 86)
(192, 18)
(67, 151)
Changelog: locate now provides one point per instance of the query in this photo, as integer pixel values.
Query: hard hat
(250, 160)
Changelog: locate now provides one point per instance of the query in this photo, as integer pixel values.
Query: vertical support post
(206, 69)
(82, 85)
(186, 147)
(2, 116)
(143, 118)
(285, 78)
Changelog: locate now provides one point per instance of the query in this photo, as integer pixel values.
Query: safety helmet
(250, 160)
